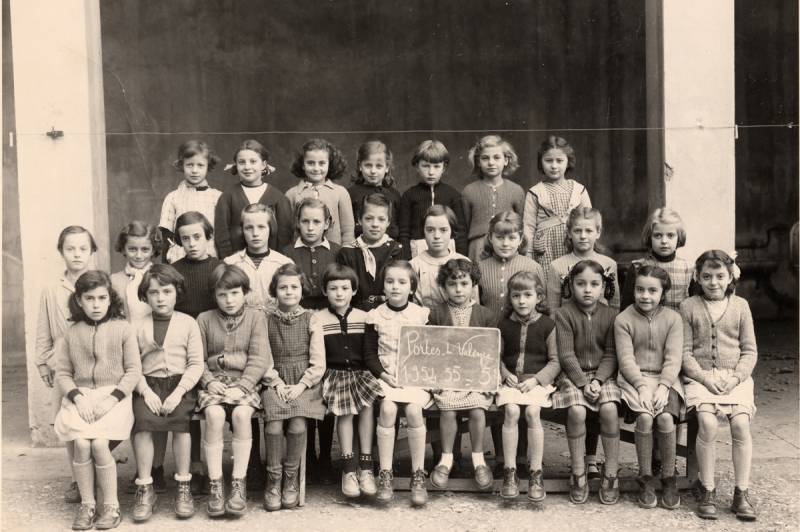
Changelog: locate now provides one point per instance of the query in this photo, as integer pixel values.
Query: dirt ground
(33, 479)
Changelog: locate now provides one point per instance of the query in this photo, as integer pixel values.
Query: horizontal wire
(388, 132)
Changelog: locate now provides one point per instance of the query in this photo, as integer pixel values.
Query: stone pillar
(691, 45)
(58, 84)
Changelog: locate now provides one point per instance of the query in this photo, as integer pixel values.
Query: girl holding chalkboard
(457, 278)
(381, 344)
(529, 367)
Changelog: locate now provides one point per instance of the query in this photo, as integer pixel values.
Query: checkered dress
(205, 399)
(289, 338)
(552, 238)
(349, 392)
(568, 394)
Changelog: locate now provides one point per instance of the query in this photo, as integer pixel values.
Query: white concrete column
(58, 84)
(699, 113)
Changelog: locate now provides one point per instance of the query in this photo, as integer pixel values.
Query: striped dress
(299, 357)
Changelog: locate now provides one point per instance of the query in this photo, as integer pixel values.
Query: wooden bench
(200, 416)
(495, 416)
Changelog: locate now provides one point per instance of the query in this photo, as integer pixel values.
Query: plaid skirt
(205, 398)
(349, 392)
(568, 394)
(308, 404)
(459, 400)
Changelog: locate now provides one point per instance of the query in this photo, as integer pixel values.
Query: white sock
(241, 455)
(214, 459)
(179, 478)
(510, 441)
(477, 460)
(742, 457)
(706, 461)
(143, 481)
(535, 447)
(416, 447)
(106, 477)
(385, 446)
(447, 460)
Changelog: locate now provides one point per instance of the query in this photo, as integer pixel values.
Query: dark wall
(766, 93)
(341, 70)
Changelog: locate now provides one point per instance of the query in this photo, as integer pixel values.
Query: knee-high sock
(742, 456)
(107, 480)
(84, 476)
(666, 448)
(510, 441)
(706, 461)
(385, 446)
(577, 452)
(611, 450)
(535, 447)
(644, 450)
(274, 444)
(241, 453)
(214, 459)
(416, 446)
(295, 447)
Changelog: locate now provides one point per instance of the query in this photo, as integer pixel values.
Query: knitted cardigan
(196, 273)
(245, 346)
(228, 217)
(344, 339)
(540, 355)
(649, 344)
(362, 189)
(586, 342)
(102, 354)
(181, 352)
(415, 203)
(482, 201)
(495, 273)
(730, 343)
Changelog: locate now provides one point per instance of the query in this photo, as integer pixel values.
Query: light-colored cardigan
(180, 354)
(652, 345)
(730, 343)
(53, 316)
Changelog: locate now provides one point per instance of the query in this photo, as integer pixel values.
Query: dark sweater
(367, 286)
(196, 274)
(311, 262)
(344, 339)
(586, 342)
(415, 203)
(228, 216)
(535, 358)
(360, 190)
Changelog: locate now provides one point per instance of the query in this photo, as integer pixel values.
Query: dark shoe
(312, 473)
(291, 489)
(742, 506)
(536, 491)
(593, 471)
(73, 494)
(184, 504)
(707, 509)
(499, 470)
(419, 495)
(272, 493)
(143, 502)
(256, 477)
(578, 493)
(110, 518)
(159, 482)
(647, 492)
(439, 477)
(236, 503)
(385, 486)
(510, 488)
(327, 474)
(85, 518)
(366, 482)
(484, 477)
(197, 484)
(609, 487)
(350, 485)
(216, 497)
(670, 497)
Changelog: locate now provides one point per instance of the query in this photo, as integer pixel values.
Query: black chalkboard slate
(449, 358)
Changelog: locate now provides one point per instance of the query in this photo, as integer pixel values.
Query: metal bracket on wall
(53, 134)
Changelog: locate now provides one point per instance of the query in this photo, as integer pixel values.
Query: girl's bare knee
(644, 422)
(665, 422)
(297, 424)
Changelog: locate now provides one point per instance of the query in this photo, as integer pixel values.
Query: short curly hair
(337, 164)
(191, 148)
(656, 272)
(714, 258)
(137, 228)
(164, 275)
(86, 283)
(493, 141)
(456, 269)
(289, 270)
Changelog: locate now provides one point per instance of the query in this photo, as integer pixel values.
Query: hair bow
(736, 271)
(610, 275)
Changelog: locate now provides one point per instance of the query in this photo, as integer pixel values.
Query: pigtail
(566, 287)
(608, 279)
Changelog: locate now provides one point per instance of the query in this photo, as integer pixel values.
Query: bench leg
(692, 471)
(302, 474)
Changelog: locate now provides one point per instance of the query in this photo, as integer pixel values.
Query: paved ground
(33, 479)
